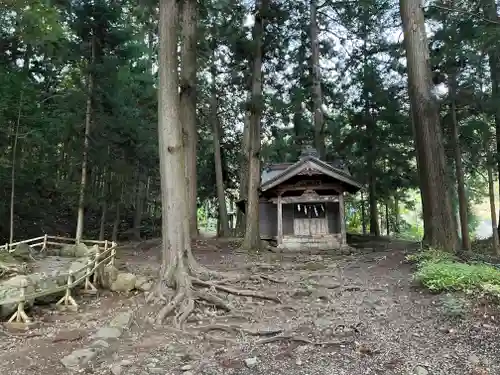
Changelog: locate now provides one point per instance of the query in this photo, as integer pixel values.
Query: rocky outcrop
(11, 289)
(124, 282)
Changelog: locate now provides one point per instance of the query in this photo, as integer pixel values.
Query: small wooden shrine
(302, 203)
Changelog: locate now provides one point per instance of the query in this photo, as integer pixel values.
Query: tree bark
(493, 212)
(188, 107)
(436, 204)
(177, 259)
(319, 121)
(245, 153)
(490, 10)
(104, 196)
(374, 216)
(387, 220)
(88, 121)
(252, 235)
(459, 170)
(490, 162)
(116, 223)
(13, 167)
(396, 215)
(217, 135)
(139, 208)
(363, 213)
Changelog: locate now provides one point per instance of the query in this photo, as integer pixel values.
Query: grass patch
(440, 271)
(430, 255)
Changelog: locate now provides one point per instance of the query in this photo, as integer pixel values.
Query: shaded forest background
(78, 88)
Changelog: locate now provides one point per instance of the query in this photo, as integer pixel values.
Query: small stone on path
(474, 359)
(251, 362)
(122, 320)
(108, 333)
(99, 344)
(186, 368)
(419, 370)
(78, 358)
(116, 369)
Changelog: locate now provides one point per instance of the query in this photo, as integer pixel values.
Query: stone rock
(474, 359)
(78, 268)
(122, 320)
(108, 333)
(125, 282)
(9, 259)
(109, 275)
(419, 370)
(116, 369)
(79, 358)
(146, 287)
(251, 362)
(24, 252)
(44, 282)
(143, 284)
(186, 368)
(11, 288)
(99, 344)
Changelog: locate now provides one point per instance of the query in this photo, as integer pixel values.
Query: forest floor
(353, 314)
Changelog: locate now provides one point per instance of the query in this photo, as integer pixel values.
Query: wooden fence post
(20, 315)
(68, 301)
(45, 238)
(96, 265)
(89, 287)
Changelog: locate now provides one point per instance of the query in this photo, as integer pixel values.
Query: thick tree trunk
(317, 97)
(459, 170)
(374, 217)
(252, 235)
(177, 259)
(437, 210)
(105, 197)
(491, 12)
(139, 208)
(490, 163)
(493, 212)
(217, 135)
(116, 223)
(363, 213)
(245, 147)
(88, 121)
(396, 215)
(188, 107)
(387, 220)
(13, 168)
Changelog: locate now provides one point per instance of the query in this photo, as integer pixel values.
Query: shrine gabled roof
(279, 173)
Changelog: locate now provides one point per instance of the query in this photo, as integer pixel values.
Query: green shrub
(444, 275)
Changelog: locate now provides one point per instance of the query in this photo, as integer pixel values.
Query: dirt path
(362, 307)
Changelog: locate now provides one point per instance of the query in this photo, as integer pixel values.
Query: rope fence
(105, 253)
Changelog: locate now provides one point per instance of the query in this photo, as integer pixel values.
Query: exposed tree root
(194, 285)
(233, 328)
(304, 340)
(236, 292)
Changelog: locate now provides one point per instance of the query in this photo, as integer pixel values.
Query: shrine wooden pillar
(343, 240)
(280, 220)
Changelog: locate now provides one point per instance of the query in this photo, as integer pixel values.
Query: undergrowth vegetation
(440, 271)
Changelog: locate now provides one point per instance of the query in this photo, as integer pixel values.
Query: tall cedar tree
(439, 230)
(188, 105)
(252, 236)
